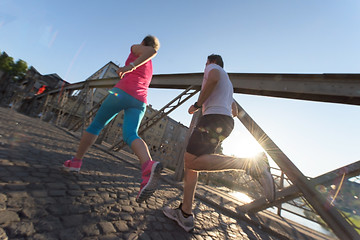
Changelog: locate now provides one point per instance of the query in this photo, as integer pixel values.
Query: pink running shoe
(151, 172)
(72, 165)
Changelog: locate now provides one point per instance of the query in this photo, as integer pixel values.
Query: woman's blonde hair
(152, 41)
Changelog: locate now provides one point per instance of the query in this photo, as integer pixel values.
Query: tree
(19, 69)
(12, 70)
(6, 62)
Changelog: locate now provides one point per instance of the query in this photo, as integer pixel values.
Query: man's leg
(257, 167)
(207, 162)
(190, 181)
(183, 214)
(216, 162)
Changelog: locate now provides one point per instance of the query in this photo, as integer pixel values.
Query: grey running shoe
(175, 214)
(261, 172)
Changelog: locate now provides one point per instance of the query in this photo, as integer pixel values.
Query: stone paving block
(45, 201)
(44, 236)
(128, 209)
(73, 186)
(68, 201)
(107, 227)
(57, 210)
(111, 237)
(20, 229)
(3, 199)
(80, 209)
(90, 238)
(72, 220)
(56, 186)
(28, 213)
(70, 233)
(116, 209)
(8, 216)
(156, 226)
(48, 224)
(139, 210)
(169, 227)
(57, 193)
(76, 193)
(3, 235)
(132, 236)
(91, 230)
(124, 202)
(126, 216)
(167, 235)
(16, 186)
(37, 185)
(121, 226)
(91, 193)
(144, 236)
(39, 193)
(156, 235)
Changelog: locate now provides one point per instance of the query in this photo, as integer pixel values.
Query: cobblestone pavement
(40, 201)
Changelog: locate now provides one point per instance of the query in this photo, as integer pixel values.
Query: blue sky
(76, 38)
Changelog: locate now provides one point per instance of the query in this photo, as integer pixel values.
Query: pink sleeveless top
(136, 83)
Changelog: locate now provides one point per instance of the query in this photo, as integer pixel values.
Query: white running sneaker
(260, 171)
(175, 214)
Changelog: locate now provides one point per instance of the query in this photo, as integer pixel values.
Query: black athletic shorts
(209, 132)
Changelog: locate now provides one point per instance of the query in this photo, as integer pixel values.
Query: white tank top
(220, 100)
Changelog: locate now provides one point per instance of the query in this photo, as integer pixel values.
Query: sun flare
(241, 144)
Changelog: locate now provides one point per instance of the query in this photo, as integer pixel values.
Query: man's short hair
(213, 58)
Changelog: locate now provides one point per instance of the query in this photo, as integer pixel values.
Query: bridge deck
(38, 200)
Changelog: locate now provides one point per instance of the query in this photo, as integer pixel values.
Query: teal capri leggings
(116, 101)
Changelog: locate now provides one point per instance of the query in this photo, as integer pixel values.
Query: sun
(241, 143)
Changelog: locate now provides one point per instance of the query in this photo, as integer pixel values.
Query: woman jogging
(130, 95)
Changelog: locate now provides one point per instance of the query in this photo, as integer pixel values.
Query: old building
(20, 95)
(67, 108)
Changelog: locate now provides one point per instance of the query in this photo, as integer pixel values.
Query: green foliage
(16, 70)
(6, 62)
(19, 68)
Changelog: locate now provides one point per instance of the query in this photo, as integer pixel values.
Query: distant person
(130, 95)
(41, 90)
(218, 109)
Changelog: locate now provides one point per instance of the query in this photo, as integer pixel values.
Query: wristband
(196, 106)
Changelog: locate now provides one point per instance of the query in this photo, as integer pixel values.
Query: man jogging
(218, 108)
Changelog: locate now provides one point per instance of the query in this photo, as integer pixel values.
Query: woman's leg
(141, 150)
(108, 110)
(87, 140)
(132, 120)
(150, 170)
